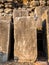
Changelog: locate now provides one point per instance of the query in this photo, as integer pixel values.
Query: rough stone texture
(25, 2)
(8, 5)
(48, 33)
(38, 16)
(4, 39)
(40, 63)
(1, 10)
(42, 3)
(40, 10)
(7, 10)
(48, 3)
(20, 12)
(34, 3)
(25, 63)
(25, 47)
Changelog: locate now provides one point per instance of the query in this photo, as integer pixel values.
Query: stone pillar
(25, 36)
(47, 24)
(4, 38)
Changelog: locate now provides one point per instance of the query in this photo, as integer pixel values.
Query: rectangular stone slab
(25, 46)
(4, 39)
(47, 24)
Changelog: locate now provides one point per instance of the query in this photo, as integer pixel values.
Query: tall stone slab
(47, 24)
(4, 39)
(25, 46)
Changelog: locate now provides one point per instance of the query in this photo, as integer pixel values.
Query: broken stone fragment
(1, 5)
(34, 3)
(1, 10)
(42, 3)
(8, 5)
(25, 2)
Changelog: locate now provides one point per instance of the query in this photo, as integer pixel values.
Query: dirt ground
(25, 63)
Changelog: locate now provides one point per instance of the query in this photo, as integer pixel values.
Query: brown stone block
(42, 3)
(4, 39)
(8, 5)
(48, 3)
(8, 10)
(40, 10)
(1, 5)
(34, 3)
(1, 10)
(25, 47)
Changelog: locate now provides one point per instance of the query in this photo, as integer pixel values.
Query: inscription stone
(25, 48)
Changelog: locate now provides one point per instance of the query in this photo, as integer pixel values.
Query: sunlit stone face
(4, 40)
(25, 39)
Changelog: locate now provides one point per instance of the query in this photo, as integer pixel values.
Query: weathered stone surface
(38, 16)
(47, 20)
(25, 2)
(1, 5)
(26, 63)
(47, 2)
(20, 12)
(7, 10)
(8, 5)
(4, 39)
(40, 10)
(1, 10)
(40, 63)
(34, 3)
(25, 47)
(42, 3)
